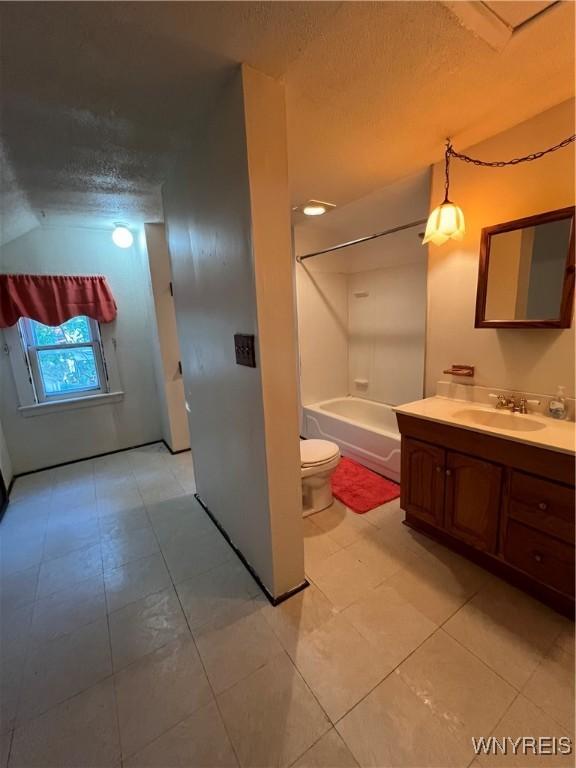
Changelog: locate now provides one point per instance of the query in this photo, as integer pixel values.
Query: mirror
(526, 275)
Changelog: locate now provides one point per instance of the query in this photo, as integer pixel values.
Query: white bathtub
(364, 430)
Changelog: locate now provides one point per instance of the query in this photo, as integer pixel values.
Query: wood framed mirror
(526, 272)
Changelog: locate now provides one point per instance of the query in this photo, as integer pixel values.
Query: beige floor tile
(179, 516)
(199, 740)
(329, 752)
(438, 583)
(135, 580)
(566, 638)
(64, 667)
(525, 719)
(123, 521)
(343, 525)
(159, 489)
(67, 610)
(271, 716)
(458, 688)
(145, 626)
(394, 727)
(390, 622)
(187, 557)
(15, 633)
(123, 548)
(63, 536)
(115, 501)
(5, 746)
(20, 550)
(300, 614)
(386, 513)
(507, 629)
(219, 596)
(343, 578)
(157, 692)
(339, 665)
(236, 650)
(18, 589)
(380, 554)
(318, 545)
(82, 732)
(11, 676)
(551, 687)
(62, 572)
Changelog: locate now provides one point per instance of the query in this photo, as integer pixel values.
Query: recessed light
(314, 208)
(122, 236)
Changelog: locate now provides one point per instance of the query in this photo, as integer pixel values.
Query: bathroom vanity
(497, 487)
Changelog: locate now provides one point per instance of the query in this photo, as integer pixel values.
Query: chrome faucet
(514, 404)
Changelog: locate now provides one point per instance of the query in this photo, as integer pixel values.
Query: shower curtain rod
(362, 239)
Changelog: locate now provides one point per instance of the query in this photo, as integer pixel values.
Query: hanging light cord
(451, 152)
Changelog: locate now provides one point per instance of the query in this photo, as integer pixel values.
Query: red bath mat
(360, 488)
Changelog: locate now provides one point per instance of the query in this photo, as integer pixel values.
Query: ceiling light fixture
(314, 208)
(122, 236)
(446, 222)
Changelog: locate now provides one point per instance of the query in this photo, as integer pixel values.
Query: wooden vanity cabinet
(506, 505)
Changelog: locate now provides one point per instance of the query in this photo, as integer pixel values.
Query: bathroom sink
(513, 422)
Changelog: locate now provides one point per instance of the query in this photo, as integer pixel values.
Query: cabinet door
(472, 500)
(422, 483)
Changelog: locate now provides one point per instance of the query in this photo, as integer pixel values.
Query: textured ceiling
(96, 95)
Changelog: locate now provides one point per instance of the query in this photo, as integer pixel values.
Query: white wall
(387, 333)
(531, 360)
(72, 434)
(167, 353)
(227, 217)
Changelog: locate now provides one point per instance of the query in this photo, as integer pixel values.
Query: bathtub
(365, 431)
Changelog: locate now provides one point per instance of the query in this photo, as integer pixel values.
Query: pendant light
(446, 222)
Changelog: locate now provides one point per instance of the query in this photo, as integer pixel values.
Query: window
(64, 361)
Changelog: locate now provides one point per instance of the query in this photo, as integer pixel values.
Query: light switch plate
(245, 349)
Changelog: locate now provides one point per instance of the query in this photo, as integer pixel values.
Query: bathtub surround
(226, 208)
(362, 310)
(533, 359)
(167, 350)
(72, 434)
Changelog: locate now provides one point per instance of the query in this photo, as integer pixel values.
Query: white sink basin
(514, 422)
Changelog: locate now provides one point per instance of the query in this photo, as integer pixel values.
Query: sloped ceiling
(95, 96)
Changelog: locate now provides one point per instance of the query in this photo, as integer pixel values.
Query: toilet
(318, 459)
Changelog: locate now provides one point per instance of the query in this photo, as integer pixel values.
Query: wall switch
(245, 350)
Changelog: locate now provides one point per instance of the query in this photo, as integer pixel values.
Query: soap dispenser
(557, 405)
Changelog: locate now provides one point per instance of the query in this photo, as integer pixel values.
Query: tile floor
(131, 636)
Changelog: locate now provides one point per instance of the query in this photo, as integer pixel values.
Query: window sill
(39, 409)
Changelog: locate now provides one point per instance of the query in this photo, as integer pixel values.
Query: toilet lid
(314, 452)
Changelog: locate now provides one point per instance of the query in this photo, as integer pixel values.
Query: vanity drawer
(546, 559)
(542, 504)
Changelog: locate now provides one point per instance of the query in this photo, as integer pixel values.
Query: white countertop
(532, 428)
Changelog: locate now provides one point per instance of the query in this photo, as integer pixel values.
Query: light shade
(445, 223)
(122, 237)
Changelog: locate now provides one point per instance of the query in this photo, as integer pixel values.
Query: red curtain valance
(53, 299)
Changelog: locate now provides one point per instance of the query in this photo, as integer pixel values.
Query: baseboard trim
(86, 458)
(271, 599)
(4, 506)
(175, 453)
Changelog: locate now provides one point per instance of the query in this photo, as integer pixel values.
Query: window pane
(68, 370)
(73, 331)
